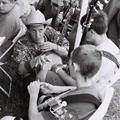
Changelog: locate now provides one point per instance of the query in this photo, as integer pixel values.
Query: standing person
(84, 63)
(112, 10)
(9, 25)
(40, 43)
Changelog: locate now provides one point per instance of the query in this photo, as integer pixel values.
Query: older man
(41, 46)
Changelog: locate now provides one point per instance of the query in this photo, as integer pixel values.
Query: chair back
(20, 33)
(101, 111)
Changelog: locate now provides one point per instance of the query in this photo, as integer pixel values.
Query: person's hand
(46, 88)
(33, 89)
(39, 60)
(47, 46)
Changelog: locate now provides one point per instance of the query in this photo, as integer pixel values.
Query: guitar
(53, 58)
(56, 107)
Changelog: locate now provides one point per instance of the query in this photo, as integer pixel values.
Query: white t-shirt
(108, 67)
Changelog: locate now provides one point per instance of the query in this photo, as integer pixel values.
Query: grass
(17, 104)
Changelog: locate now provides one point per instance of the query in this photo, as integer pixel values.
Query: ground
(17, 104)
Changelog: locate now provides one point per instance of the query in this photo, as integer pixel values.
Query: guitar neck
(64, 30)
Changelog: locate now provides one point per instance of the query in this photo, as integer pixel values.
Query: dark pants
(113, 30)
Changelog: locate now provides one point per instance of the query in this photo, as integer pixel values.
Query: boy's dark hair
(99, 24)
(88, 59)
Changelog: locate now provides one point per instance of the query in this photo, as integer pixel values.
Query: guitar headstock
(96, 5)
(63, 114)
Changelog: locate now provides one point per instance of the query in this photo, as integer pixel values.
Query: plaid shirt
(25, 49)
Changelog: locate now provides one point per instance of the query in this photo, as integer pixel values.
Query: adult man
(39, 42)
(9, 25)
(84, 63)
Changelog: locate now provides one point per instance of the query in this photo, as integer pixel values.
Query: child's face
(5, 6)
(71, 68)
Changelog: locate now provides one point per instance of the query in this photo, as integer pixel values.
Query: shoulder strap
(111, 57)
(82, 98)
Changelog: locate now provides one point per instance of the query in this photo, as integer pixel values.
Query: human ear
(76, 67)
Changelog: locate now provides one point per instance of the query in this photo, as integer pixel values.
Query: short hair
(99, 23)
(88, 58)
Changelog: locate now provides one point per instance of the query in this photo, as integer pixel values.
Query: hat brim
(47, 22)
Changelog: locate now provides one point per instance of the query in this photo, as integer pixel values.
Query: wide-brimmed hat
(36, 17)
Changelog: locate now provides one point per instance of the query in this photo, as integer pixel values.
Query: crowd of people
(41, 51)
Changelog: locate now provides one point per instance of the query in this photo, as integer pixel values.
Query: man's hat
(36, 17)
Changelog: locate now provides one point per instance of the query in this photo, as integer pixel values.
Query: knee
(42, 75)
(8, 118)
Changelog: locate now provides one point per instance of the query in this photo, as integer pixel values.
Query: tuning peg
(64, 103)
(106, 1)
(100, 5)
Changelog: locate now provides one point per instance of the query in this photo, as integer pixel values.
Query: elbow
(20, 69)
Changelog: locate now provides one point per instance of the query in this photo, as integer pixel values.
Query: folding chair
(21, 33)
(102, 110)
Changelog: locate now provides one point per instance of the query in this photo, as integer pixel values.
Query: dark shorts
(54, 79)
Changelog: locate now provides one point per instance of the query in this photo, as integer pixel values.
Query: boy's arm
(33, 113)
(33, 90)
(66, 78)
(47, 88)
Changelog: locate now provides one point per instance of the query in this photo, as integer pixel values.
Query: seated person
(97, 35)
(84, 63)
(9, 25)
(40, 41)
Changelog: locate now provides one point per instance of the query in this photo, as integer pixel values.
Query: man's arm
(62, 46)
(28, 66)
(60, 50)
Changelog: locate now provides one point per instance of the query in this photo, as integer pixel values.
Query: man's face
(6, 6)
(37, 32)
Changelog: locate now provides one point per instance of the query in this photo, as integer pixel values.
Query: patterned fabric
(26, 49)
(111, 57)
